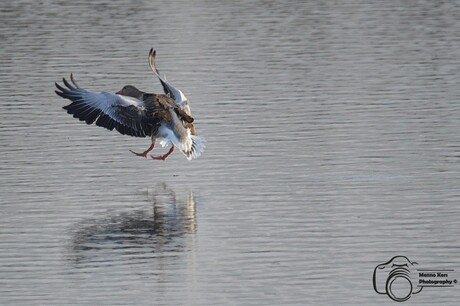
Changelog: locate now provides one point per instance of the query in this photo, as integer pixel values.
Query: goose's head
(130, 91)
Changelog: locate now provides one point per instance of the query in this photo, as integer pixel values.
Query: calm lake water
(333, 145)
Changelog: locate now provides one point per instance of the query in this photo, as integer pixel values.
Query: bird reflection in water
(167, 228)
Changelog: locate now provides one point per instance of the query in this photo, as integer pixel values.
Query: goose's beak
(119, 92)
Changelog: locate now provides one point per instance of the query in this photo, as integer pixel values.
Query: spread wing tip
(103, 109)
(73, 80)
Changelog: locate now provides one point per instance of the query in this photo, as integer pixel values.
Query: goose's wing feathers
(112, 111)
(170, 90)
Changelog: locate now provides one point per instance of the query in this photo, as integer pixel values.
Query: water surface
(333, 146)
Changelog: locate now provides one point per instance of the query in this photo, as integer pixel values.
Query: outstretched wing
(125, 114)
(170, 90)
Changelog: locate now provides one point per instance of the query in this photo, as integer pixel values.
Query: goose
(136, 113)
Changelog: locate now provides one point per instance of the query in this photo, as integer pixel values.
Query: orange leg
(163, 157)
(144, 154)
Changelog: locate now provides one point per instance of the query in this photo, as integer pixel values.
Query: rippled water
(333, 146)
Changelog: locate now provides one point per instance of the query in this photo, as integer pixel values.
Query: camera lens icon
(396, 278)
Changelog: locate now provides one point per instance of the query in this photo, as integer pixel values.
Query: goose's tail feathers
(198, 145)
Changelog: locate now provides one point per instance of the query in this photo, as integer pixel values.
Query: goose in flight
(133, 112)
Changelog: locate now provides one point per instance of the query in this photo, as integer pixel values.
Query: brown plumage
(155, 104)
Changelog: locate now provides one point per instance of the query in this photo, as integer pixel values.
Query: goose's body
(136, 113)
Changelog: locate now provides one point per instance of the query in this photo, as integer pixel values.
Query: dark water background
(333, 145)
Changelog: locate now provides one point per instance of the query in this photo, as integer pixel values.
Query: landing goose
(136, 113)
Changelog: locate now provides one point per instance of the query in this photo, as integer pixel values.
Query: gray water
(332, 145)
